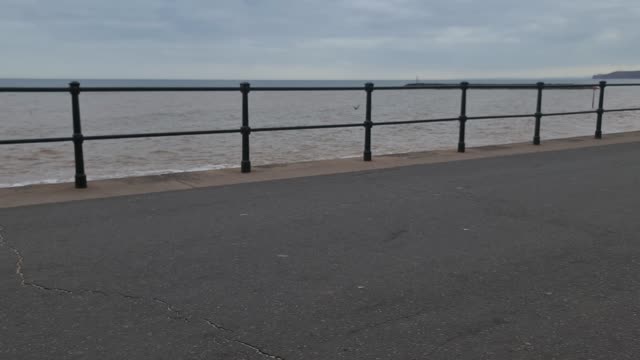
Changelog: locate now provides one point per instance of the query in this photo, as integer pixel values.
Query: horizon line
(310, 79)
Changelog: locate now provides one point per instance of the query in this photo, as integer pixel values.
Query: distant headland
(619, 75)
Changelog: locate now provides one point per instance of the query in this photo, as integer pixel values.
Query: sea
(34, 115)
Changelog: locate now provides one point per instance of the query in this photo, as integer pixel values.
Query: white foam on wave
(36, 182)
(121, 175)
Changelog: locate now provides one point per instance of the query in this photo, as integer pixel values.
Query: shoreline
(119, 176)
(62, 192)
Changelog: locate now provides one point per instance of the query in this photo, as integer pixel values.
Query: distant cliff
(619, 75)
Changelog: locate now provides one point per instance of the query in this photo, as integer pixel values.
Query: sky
(317, 39)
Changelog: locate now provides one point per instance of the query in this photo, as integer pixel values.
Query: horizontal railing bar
(500, 116)
(420, 87)
(487, 86)
(32, 89)
(532, 86)
(623, 84)
(31, 141)
(308, 88)
(415, 121)
(305, 127)
(627, 109)
(571, 86)
(156, 89)
(502, 86)
(571, 113)
(161, 134)
(285, 128)
(301, 88)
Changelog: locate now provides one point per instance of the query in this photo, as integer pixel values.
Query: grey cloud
(316, 39)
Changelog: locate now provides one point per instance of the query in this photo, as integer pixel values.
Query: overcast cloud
(319, 39)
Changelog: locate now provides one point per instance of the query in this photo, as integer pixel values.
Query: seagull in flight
(356, 107)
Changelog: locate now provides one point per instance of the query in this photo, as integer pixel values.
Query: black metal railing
(245, 129)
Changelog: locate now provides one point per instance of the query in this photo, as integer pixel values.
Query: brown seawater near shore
(51, 193)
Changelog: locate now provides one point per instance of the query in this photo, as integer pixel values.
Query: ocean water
(26, 115)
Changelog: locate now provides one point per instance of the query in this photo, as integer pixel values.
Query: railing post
(368, 124)
(245, 87)
(78, 138)
(538, 114)
(603, 84)
(463, 116)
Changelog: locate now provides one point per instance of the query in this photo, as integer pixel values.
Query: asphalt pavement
(532, 256)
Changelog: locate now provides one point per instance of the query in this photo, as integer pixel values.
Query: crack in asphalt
(23, 280)
(474, 330)
(170, 308)
(257, 349)
(217, 326)
(18, 255)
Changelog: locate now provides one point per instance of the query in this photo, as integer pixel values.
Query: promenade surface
(533, 256)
